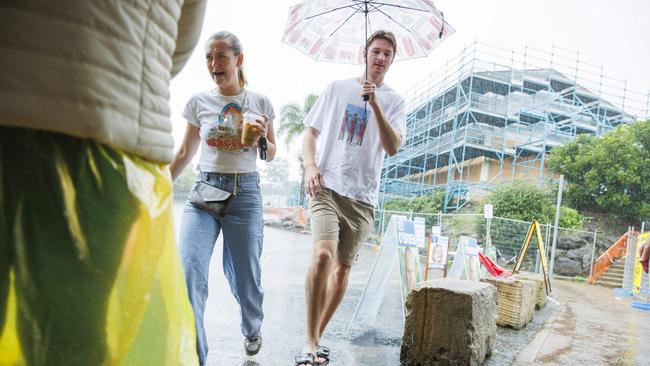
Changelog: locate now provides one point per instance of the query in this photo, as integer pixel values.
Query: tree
(429, 204)
(277, 173)
(292, 117)
(520, 200)
(609, 174)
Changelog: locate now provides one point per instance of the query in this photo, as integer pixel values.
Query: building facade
(493, 115)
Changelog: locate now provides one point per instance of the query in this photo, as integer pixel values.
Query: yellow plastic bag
(88, 234)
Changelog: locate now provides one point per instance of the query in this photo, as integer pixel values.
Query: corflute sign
(406, 234)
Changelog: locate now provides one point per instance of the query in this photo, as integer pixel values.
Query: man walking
(343, 181)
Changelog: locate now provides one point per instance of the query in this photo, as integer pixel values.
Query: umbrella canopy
(336, 30)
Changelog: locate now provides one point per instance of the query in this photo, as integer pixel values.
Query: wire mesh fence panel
(645, 226)
(508, 237)
(575, 249)
(454, 226)
(575, 253)
(382, 217)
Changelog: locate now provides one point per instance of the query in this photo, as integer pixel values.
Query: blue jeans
(243, 233)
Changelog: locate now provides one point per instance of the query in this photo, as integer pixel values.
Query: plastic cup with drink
(250, 133)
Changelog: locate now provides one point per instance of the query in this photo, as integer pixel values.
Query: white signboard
(466, 264)
(488, 210)
(419, 231)
(436, 230)
(471, 247)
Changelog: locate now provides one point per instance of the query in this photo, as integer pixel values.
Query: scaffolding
(492, 115)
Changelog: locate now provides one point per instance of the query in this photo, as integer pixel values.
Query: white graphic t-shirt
(349, 153)
(219, 120)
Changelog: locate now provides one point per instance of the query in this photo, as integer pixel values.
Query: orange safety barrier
(297, 214)
(602, 264)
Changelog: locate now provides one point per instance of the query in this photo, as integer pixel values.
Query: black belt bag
(213, 199)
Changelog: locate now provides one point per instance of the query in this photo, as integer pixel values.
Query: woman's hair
(236, 48)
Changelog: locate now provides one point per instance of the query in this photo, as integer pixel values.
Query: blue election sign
(406, 234)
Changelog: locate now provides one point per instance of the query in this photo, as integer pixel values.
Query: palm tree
(292, 118)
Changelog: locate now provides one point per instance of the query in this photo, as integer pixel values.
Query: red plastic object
(492, 267)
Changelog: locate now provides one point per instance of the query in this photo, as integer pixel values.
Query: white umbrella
(337, 30)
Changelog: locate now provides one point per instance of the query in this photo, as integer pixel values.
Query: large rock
(582, 255)
(516, 299)
(566, 266)
(449, 322)
(571, 241)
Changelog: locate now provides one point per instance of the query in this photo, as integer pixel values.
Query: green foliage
(570, 218)
(429, 205)
(608, 174)
(520, 200)
(579, 279)
(523, 201)
(292, 116)
(397, 204)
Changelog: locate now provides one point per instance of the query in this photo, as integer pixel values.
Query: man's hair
(382, 34)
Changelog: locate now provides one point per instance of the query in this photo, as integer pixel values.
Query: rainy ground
(588, 325)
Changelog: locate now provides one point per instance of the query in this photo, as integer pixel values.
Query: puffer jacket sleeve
(189, 30)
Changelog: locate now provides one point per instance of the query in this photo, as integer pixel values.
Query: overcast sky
(611, 34)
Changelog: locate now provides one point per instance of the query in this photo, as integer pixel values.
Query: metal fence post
(546, 240)
(557, 222)
(628, 273)
(593, 252)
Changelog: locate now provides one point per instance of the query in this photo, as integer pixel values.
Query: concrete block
(449, 322)
(516, 301)
(540, 287)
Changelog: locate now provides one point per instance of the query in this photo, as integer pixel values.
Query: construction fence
(645, 226)
(573, 257)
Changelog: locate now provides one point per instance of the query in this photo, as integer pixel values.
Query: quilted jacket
(96, 69)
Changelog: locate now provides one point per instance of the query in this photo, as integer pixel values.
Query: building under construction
(492, 115)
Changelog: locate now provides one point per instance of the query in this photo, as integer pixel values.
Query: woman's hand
(262, 124)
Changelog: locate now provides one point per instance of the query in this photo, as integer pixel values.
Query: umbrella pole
(365, 97)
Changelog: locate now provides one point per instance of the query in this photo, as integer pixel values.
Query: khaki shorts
(343, 219)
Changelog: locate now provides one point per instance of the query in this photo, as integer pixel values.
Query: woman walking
(215, 123)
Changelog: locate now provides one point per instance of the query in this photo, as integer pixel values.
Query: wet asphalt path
(285, 260)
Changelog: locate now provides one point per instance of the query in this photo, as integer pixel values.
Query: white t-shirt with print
(219, 120)
(349, 153)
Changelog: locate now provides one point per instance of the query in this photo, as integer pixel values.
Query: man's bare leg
(336, 287)
(316, 283)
